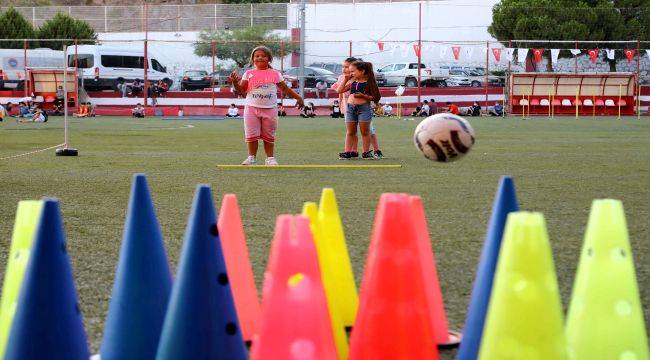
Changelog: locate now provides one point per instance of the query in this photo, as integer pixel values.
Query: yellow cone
(338, 265)
(524, 319)
(310, 210)
(27, 216)
(605, 318)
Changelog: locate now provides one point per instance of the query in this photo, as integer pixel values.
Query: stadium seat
(588, 102)
(578, 101)
(523, 102)
(600, 102)
(609, 102)
(622, 102)
(557, 102)
(534, 102)
(566, 102)
(545, 102)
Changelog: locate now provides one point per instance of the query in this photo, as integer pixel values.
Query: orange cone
(393, 321)
(295, 322)
(442, 336)
(240, 272)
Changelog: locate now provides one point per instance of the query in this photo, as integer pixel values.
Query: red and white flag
(416, 48)
(496, 52)
(537, 53)
(456, 51)
(629, 54)
(593, 55)
(380, 45)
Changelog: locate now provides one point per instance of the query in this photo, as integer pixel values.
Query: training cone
(201, 322)
(442, 336)
(505, 202)
(240, 271)
(393, 320)
(524, 319)
(142, 283)
(605, 318)
(48, 322)
(27, 217)
(310, 210)
(338, 266)
(295, 321)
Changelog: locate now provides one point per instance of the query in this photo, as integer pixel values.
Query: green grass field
(559, 166)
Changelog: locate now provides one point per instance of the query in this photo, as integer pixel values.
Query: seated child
(416, 112)
(83, 111)
(281, 111)
(336, 110)
(453, 108)
(474, 110)
(138, 111)
(388, 110)
(233, 111)
(308, 111)
(425, 109)
(497, 110)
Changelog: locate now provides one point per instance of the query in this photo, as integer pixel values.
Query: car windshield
(196, 73)
(476, 73)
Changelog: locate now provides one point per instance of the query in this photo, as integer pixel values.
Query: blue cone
(142, 286)
(201, 322)
(48, 322)
(505, 202)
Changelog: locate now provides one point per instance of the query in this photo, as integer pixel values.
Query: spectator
(388, 110)
(497, 110)
(308, 111)
(233, 112)
(474, 110)
(83, 111)
(453, 108)
(60, 96)
(24, 110)
(91, 109)
(122, 87)
(321, 89)
(424, 111)
(162, 87)
(281, 111)
(377, 110)
(336, 110)
(136, 87)
(39, 116)
(57, 109)
(433, 108)
(138, 111)
(416, 112)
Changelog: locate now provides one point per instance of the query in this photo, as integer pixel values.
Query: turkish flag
(497, 54)
(416, 48)
(593, 55)
(537, 53)
(456, 51)
(380, 45)
(629, 54)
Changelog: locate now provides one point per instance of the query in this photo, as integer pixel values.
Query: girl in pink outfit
(261, 113)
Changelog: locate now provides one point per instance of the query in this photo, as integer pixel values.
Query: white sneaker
(271, 161)
(250, 160)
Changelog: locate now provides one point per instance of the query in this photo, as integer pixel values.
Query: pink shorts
(260, 123)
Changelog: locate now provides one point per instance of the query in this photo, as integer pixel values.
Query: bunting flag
(416, 48)
(509, 53)
(575, 52)
(456, 51)
(393, 49)
(443, 51)
(629, 54)
(537, 53)
(496, 52)
(380, 45)
(521, 55)
(611, 54)
(593, 55)
(555, 54)
(469, 51)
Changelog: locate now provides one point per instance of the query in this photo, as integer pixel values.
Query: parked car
(312, 76)
(407, 74)
(336, 68)
(195, 80)
(473, 78)
(104, 67)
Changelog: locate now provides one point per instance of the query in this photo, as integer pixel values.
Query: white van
(12, 64)
(103, 67)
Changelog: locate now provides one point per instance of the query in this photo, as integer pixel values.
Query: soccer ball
(444, 137)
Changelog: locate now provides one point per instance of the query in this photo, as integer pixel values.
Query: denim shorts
(356, 113)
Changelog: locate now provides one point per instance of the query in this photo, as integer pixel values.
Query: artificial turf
(559, 167)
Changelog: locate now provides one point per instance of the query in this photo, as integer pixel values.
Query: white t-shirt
(233, 111)
(39, 118)
(425, 108)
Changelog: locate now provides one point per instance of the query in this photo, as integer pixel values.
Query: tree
(63, 26)
(591, 20)
(237, 44)
(14, 26)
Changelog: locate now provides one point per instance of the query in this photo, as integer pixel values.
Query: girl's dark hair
(350, 60)
(371, 88)
(266, 51)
